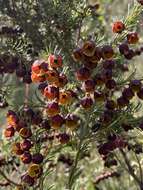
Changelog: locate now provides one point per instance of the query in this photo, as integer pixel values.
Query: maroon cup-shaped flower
(27, 179)
(16, 149)
(99, 80)
(57, 121)
(37, 118)
(118, 27)
(25, 132)
(132, 38)
(130, 54)
(124, 48)
(37, 158)
(135, 85)
(107, 52)
(77, 54)
(86, 102)
(111, 84)
(83, 74)
(128, 93)
(26, 157)
(9, 131)
(26, 145)
(51, 92)
(71, 121)
(89, 85)
(52, 108)
(88, 48)
(64, 138)
(42, 86)
(107, 74)
(122, 102)
(109, 64)
(110, 104)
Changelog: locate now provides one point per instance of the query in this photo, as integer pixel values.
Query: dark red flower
(118, 27)
(37, 158)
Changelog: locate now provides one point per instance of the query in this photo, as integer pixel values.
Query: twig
(7, 179)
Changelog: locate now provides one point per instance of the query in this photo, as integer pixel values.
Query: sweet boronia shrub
(91, 103)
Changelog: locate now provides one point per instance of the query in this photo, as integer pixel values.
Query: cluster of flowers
(25, 146)
(23, 123)
(105, 77)
(23, 126)
(100, 83)
(131, 38)
(54, 91)
(113, 143)
(96, 88)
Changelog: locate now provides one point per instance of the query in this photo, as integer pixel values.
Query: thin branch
(8, 180)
